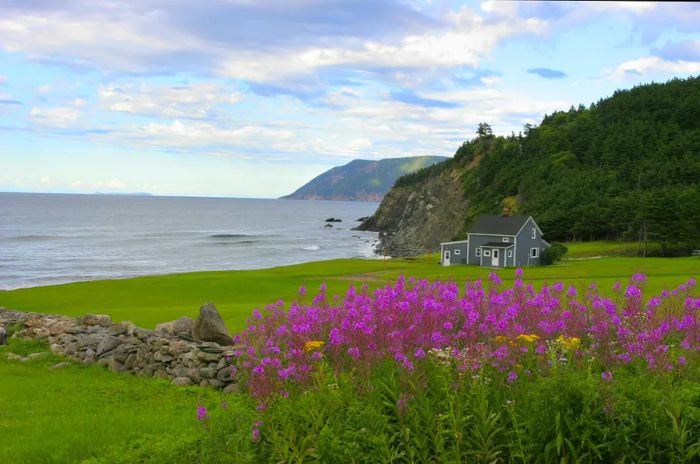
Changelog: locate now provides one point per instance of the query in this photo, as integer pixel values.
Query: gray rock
(215, 383)
(13, 357)
(60, 365)
(184, 324)
(225, 374)
(119, 328)
(164, 358)
(178, 347)
(40, 355)
(182, 381)
(107, 344)
(233, 389)
(3, 336)
(101, 320)
(210, 327)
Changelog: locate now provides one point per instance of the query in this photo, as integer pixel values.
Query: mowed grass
(80, 412)
(147, 301)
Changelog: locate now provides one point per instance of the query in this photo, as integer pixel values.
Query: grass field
(85, 412)
(147, 301)
(81, 412)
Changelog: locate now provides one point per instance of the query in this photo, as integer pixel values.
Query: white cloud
(3, 79)
(192, 101)
(46, 88)
(654, 65)
(634, 7)
(465, 42)
(57, 117)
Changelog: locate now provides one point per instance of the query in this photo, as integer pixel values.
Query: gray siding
(478, 240)
(525, 243)
(458, 253)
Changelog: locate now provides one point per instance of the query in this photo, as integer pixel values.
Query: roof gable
(498, 225)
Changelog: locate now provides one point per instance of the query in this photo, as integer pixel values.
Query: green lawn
(149, 300)
(81, 412)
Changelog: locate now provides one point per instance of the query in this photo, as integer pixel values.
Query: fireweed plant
(516, 332)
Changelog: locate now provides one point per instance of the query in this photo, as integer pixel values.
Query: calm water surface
(51, 238)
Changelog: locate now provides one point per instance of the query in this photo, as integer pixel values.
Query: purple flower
(255, 435)
(607, 376)
(419, 354)
(202, 413)
(302, 291)
(519, 273)
(512, 376)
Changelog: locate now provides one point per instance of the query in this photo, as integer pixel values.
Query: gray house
(497, 241)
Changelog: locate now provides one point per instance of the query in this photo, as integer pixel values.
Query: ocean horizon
(54, 238)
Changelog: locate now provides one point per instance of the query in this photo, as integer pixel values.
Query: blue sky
(253, 98)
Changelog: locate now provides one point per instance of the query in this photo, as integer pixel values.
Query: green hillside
(624, 168)
(361, 180)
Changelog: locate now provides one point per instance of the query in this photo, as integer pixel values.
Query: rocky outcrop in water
(167, 353)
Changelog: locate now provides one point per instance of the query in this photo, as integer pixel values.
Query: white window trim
(534, 233)
(487, 253)
(478, 252)
(505, 240)
(534, 252)
(458, 252)
(510, 253)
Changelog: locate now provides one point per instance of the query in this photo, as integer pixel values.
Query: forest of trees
(627, 167)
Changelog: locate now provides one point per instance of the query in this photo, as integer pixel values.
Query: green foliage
(567, 415)
(553, 253)
(626, 168)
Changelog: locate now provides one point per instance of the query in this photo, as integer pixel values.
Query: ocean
(54, 238)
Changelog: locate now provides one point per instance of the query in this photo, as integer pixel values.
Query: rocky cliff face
(414, 220)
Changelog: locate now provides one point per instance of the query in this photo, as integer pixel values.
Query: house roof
(497, 245)
(498, 225)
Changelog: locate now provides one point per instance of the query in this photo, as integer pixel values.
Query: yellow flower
(527, 338)
(501, 339)
(313, 345)
(572, 343)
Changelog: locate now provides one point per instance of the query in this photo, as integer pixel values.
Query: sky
(253, 98)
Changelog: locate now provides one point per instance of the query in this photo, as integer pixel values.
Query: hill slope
(361, 180)
(627, 167)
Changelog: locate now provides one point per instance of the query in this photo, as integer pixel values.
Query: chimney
(505, 212)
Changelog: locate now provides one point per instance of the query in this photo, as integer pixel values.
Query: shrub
(553, 253)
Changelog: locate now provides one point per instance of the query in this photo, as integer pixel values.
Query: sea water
(55, 238)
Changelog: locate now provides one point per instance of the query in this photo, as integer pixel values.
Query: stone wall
(169, 352)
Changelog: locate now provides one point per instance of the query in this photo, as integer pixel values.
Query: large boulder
(209, 327)
(3, 335)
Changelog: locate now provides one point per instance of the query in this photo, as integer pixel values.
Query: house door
(446, 260)
(494, 257)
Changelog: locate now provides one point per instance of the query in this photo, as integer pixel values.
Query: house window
(478, 252)
(458, 252)
(487, 253)
(505, 239)
(510, 253)
(534, 252)
(534, 233)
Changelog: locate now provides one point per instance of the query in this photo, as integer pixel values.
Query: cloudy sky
(253, 98)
